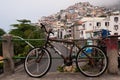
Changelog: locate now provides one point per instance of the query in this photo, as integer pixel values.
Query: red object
(112, 43)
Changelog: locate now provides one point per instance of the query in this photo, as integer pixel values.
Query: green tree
(26, 30)
(1, 33)
(23, 28)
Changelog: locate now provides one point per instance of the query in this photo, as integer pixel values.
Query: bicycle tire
(37, 62)
(91, 61)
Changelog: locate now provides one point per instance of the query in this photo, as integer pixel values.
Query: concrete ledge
(60, 76)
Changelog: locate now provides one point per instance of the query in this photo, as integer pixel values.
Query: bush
(1, 64)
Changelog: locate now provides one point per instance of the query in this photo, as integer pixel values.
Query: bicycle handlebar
(48, 32)
(43, 26)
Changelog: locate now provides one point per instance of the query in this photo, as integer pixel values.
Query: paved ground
(60, 76)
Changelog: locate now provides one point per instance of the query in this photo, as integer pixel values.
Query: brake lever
(52, 32)
(42, 25)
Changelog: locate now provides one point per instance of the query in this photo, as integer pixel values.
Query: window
(69, 31)
(89, 35)
(116, 27)
(81, 32)
(83, 26)
(106, 23)
(90, 24)
(98, 24)
(116, 19)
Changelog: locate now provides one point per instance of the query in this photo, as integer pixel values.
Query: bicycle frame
(68, 59)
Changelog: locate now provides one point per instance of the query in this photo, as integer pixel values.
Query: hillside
(77, 11)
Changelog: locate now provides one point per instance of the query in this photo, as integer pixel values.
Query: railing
(8, 52)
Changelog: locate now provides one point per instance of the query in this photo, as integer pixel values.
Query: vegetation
(26, 30)
(2, 32)
(1, 64)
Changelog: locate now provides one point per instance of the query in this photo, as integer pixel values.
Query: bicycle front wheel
(91, 61)
(37, 62)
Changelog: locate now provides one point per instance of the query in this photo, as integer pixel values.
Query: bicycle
(90, 60)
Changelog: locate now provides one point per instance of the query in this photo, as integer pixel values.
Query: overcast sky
(11, 10)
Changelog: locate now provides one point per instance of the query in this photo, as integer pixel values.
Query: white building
(77, 30)
(86, 26)
(58, 28)
(92, 24)
(115, 24)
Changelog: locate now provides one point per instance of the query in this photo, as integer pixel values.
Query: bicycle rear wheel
(91, 61)
(37, 62)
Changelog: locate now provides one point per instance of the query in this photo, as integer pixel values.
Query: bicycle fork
(39, 56)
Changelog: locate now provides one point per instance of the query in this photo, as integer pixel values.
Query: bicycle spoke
(91, 61)
(37, 63)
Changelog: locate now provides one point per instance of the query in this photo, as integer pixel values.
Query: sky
(12, 10)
